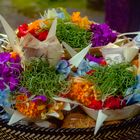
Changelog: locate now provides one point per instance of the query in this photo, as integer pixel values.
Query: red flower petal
(33, 32)
(96, 104)
(114, 102)
(42, 35)
(22, 30)
(90, 72)
(103, 63)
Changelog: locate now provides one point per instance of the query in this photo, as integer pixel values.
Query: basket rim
(36, 129)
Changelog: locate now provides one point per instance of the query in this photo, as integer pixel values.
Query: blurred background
(17, 12)
(120, 15)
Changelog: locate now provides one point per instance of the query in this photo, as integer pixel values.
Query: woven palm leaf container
(126, 130)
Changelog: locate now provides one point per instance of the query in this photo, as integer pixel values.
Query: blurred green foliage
(32, 8)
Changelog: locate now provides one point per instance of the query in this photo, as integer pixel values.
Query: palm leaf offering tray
(66, 77)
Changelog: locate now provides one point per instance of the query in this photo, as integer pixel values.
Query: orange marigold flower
(31, 109)
(35, 25)
(82, 91)
(85, 23)
(76, 17)
(13, 55)
(78, 20)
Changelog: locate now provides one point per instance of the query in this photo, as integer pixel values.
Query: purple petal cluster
(102, 35)
(94, 59)
(10, 69)
(43, 98)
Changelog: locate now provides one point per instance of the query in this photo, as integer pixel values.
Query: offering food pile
(50, 67)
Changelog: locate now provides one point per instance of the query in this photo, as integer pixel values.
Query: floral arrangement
(39, 80)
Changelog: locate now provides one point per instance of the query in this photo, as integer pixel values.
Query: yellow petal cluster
(83, 22)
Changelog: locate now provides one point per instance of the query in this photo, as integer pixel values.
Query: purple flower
(15, 60)
(10, 70)
(2, 85)
(4, 69)
(94, 59)
(4, 57)
(16, 69)
(24, 90)
(13, 82)
(102, 35)
(43, 98)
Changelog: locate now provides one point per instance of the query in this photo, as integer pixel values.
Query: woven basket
(129, 129)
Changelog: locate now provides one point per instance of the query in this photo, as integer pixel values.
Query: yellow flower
(76, 17)
(78, 20)
(35, 25)
(85, 23)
